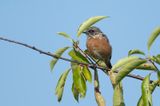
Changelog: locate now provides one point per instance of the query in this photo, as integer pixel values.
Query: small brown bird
(98, 45)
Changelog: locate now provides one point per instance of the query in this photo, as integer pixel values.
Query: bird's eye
(91, 31)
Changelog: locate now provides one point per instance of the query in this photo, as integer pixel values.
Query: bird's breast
(99, 47)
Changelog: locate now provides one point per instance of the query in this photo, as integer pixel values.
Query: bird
(98, 45)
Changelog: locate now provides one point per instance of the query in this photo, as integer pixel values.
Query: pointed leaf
(152, 87)
(78, 79)
(135, 51)
(153, 36)
(146, 93)
(127, 68)
(52, 63)
(118, 95)
(60, 85)
(75, 92)
(87, 74)
(89, 22)
(58, 53)
(122, 62)
(77, 56)
(65, 35)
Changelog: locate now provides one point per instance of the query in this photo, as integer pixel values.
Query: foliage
(82, 72)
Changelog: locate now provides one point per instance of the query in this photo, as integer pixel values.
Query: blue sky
(25, 75)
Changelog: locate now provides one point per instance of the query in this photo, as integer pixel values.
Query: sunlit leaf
(78, 79)
(152, 87)
(89, 22)
(118, 95)
(75, 92)
(135, 51)
(112, 77)
(65, 35)
(127, 68)
(58, 53)
(153, 36)
(87, 74)
(146, 92)
(122, 62)
(146, 66)
(77, 56)
(52, 63)
(60, 85)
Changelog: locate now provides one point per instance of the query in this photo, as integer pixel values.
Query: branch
(65, 59)
(99, 98)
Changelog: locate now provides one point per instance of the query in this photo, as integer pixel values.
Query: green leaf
(152, 87)
(118, 95)
(52, 63)
(75, 92)
(60, 84)
(65, 35)
(135, 51)
(89, 22)
(153, 36)
(157, 58)
(58, 53)
(77, 56)
(146, 93)
(146, 66)
(78, 79)
(122, 62)
(127, 68)
(87, 74)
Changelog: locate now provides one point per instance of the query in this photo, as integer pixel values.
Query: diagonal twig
(66, 59)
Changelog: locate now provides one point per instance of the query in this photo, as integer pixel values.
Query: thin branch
(77, 48)
(65, 59)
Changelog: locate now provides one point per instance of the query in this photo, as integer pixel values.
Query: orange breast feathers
(99, 48)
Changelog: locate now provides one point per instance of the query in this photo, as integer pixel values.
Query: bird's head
(91, 31)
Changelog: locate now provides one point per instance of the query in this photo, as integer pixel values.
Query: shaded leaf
(87, 74)
(58, 53)
(153, 36)
(135, 51)
(158, 74)
(60, 85)
(75, 92)
(127, 68)
(65, 35)
(146, 92)
(77, 56)
(78, 79)
(122, 62)
(155, 59)
(89, 22)
(118, 95)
